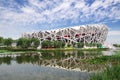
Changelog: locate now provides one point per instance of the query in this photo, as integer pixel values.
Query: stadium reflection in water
(48, 65)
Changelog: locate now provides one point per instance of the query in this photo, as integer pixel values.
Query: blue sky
(18, 16)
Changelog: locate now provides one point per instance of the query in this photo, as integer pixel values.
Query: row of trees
(53, 44)
(5, 42)
(81, 45)
(62, 44)
(27, 43)
(116, 45)
(20, 43)
(34, 43)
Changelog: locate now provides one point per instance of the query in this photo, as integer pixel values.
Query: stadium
(92, 33)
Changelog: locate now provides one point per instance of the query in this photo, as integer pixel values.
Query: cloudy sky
(18, 16)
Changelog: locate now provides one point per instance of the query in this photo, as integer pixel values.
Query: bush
(55, 44)
(80, 45)
(47, 44)
(68, 45)
(35, 42)
(8, 42)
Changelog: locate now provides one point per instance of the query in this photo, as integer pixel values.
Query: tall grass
(110, 73)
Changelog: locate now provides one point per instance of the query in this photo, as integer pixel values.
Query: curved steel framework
(93, 33)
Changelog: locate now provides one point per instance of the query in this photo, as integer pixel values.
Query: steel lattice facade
(93, 33)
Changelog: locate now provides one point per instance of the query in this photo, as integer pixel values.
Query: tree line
(116, 45)
(35, 42)
(20, 43)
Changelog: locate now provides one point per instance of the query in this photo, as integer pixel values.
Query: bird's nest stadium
(92, 33)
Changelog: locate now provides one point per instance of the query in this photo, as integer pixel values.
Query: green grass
(10, 49)
(103, 59)
(110, 73)
(4, 51)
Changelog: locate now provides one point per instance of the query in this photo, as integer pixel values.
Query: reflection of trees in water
(6, 60)
(68, 59)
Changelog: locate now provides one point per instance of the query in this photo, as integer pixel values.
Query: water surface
(48, 65)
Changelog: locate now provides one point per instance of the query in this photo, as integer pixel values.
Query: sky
(19, 16)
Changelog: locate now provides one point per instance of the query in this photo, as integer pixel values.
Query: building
(93, 33)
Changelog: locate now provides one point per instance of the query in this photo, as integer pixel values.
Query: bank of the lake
(10, 49)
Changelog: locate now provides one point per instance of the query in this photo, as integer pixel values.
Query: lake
(57, 65)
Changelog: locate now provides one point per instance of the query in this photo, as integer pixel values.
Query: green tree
(62, 43)
(116, 45)
(56, 44)
(44, 44)
(59, 44)
(47, 44)
(80, 45)
(94, 44)
(1, 41)
(88, 44)
(8, 41)
(68, 45)
(24, 42)
(99, 45)
(74, 44)
(35, 42)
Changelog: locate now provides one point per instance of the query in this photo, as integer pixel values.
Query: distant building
(93, 33)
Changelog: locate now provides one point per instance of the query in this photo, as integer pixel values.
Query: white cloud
(96, 4)
(55, 13)
(80, 5)
(28, 10)
(114, 33)
(39, 12)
